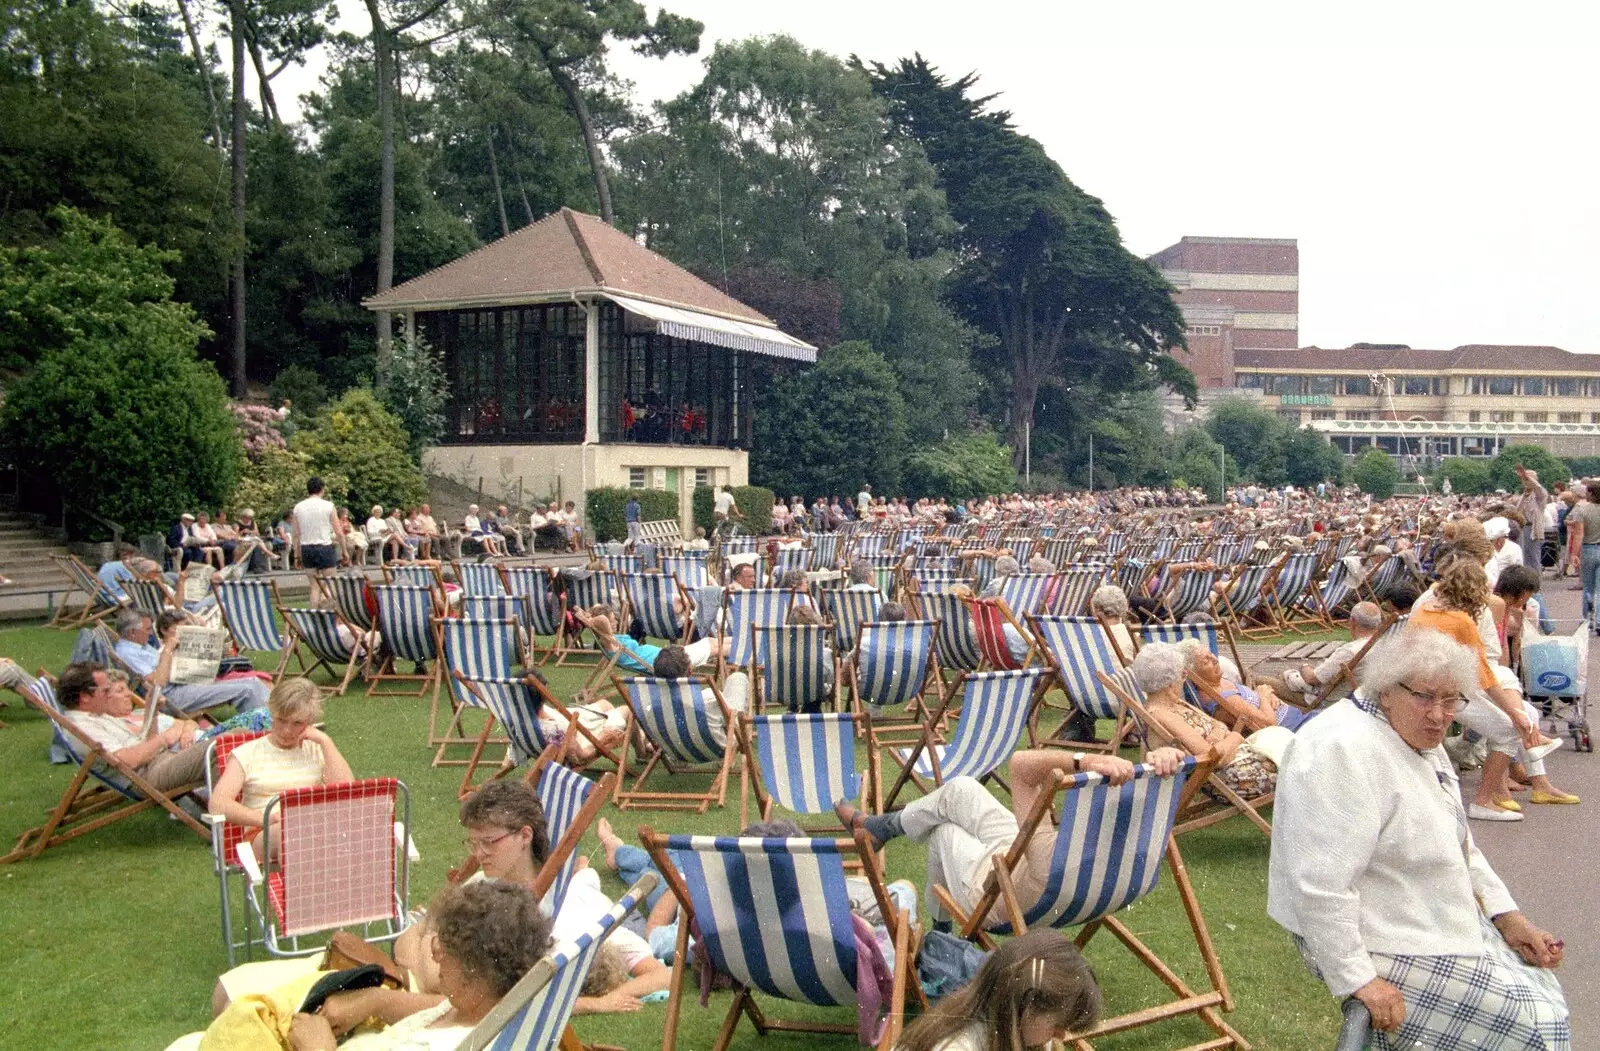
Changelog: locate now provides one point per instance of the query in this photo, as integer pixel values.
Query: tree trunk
(204, 69)
(384, 82)
(499, 194)
(236, 8)
(1024, 395)
(597, 160)
(522, 191)
(269, 105)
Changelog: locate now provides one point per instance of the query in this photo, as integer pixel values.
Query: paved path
(1551, 860)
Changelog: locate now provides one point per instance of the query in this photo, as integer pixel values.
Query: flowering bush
(258, 428)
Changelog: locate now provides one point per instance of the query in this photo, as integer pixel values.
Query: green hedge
(603, 510)
(754, 500)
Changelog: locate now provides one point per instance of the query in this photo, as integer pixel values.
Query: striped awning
(718, 331)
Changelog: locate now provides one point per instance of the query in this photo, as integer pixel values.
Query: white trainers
(1491, 813)
(1533, 755)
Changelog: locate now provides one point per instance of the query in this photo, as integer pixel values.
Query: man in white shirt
(101, 705)
(863, 499)
(312, 530)
(725, 506)
(1302, 683)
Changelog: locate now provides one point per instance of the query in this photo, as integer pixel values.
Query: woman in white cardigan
(1375, 874)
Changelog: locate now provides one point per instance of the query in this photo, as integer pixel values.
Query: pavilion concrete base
(525, 473)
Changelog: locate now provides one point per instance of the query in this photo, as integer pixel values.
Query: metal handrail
(116, 528)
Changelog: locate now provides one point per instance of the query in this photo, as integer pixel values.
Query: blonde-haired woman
(294, 754)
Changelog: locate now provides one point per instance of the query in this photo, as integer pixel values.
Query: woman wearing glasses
(1375, 873)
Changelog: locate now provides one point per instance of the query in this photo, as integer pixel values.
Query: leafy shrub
(301, 387)
(258, 429)
(961, 467)
(1503, 474)
(705, 506)
(1375, 473)
(1467, 476)
(756, 503)
(1580, 466)
(604, 507)
(359, 440)
(276, 481)
(413, 386)
(120, 417)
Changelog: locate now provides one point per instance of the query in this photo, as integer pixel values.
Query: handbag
(946, 963)
(347, 951)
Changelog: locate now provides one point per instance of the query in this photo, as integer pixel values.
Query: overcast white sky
(1436, 161)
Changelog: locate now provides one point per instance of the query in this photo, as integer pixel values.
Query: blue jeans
(633, 862)
(1589, 573)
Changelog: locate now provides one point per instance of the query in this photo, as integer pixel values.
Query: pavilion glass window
(1568, 388)
(1285, 385)
(1502, 386)
(1533, 386)
(1357, 386)
(1414, 386)
(663, 390)
(1322, 385)
(516, 373)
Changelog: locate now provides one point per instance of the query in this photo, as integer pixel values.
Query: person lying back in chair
(100, 703)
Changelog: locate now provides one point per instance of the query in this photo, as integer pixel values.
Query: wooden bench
(665, 533)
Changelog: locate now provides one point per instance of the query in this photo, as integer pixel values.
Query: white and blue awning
(700, 327)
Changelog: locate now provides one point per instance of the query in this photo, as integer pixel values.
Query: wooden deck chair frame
(831, 782)
(1265, 586)
(150, 597)
(1066, 677)
(85, 807)
(493, 636)
(764, 681)
(98, 601)
(323, 657)
(383, 668)
(636, 795)
(1200, 811)
(898, 923)
(1347, 671)
(1297, 610)
(987, 627)
(569, 646)
(1204, 1005)
(538, 691)
(883, 730)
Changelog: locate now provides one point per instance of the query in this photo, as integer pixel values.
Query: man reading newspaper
(188, 679)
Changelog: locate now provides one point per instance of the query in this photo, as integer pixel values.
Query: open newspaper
(199, 654)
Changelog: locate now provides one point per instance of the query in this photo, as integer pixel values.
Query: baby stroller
(1555, 679)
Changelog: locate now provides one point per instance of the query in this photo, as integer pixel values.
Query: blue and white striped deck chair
(751, 608)
(1247, 596)
(1077, 648)
(793, 668)
(479, 578)
(497, 607)
(825, 551)
(1109, 843)
(415, 574)
(1162, 547)
(981, 569)
(1021, 547)
(248, 608)
(1334, 593)
(150, 597)
(1061, 550)
(774, 916)
(1190, 592)
(318, 631)
(787, 558)
(849, 610)
(103, 791)
(582, 592)
(686, 733)
(349, 591)
(690, 569)
(534, 1014)
(653, 598)
(1114, 542)
(98, 600)
(1291, 600)
(891, 664)
(621, 563)
(515, 704)
(405, 620)
(1212, 636)
(996, 709)
(1024, 592)
(541, 606)
(472, 649)
(1383, 577)
(870, 544)
(802, 763)
(1075, 587)
(956, 641)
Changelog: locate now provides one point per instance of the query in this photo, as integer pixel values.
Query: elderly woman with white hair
(1109, 604)
(1160, 670)
(1375, 872)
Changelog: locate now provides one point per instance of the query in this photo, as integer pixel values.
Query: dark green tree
(962, 467)
(1250, 433)
(1468, 477)
(1375, 474)
(1503, 468)
(1310, 458)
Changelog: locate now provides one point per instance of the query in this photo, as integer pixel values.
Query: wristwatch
(1077, 762)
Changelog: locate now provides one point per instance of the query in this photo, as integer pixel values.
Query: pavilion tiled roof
(565, 252)
(1483, 356)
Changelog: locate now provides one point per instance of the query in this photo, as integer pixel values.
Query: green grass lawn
(113, 940)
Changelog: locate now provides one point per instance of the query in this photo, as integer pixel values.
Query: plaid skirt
(1492, 1002)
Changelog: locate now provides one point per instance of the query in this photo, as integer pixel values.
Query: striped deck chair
(1381, 579)
(349, 591)
(621, 563)
(479, 578)
(981, 570)
(1109, 844)
(793, 668)
(685, 734)
(1021, 547)
(990, 618)
(318, 631)
(885, 570)
(689, 568)
(653, 598)
(98, 600)
(1189, 591)
(248, 608)
(1290, 600)
(996, 710)
(1025, 592)
(150, 597)
(825, 551)
(1218, 802)
(533, 1015)
(1062, 551)
(956, 640)
(752, 608)
(405, 620)
(417, 574)
(1336, 592)
(471, 649)
(118, 791)
(342, 859)
(1078, 648)
(581, 593)
(497, 607)
(802, 763)
(869, 544)
(1246, 597)
(774, 916)
(515, 705)
(1075, 586)
(541, 606)
(225, 840)
(1113, 543)
(849, 610)
(890, 673)
(787, 558)
(1212, 635)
